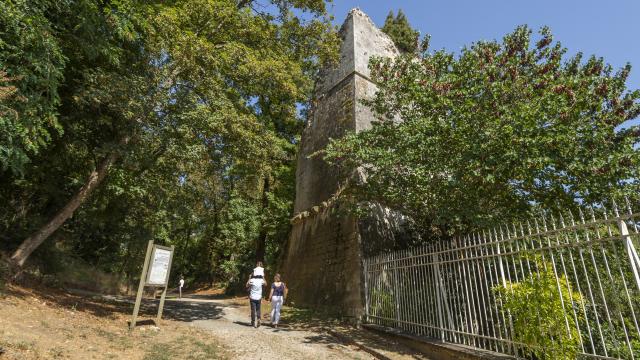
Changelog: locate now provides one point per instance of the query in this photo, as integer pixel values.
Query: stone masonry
(322, 263)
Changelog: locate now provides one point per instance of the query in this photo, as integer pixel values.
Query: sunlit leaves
(30, 55)
(494, 131)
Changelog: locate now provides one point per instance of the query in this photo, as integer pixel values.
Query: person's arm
(286, 291)
(270, 294)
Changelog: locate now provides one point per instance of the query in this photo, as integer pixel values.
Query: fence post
(503, 280)
(366, 290)
(436, 274)
(631, 251)
(396, 296)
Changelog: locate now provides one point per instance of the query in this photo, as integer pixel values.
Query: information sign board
(155, 272)
(159, 269)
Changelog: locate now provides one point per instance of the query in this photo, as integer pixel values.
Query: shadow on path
(206, 296)
(185, 309)
(243, 323)
(188, 311)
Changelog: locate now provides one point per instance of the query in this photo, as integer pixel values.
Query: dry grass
(51, 324)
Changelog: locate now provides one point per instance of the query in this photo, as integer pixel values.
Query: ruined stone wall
(322, 263)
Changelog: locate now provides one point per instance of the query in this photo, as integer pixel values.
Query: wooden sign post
(155, 273)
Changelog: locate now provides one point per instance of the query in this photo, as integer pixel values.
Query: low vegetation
(539, 309)
(45, 323)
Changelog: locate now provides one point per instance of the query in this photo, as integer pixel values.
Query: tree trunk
(37, 238)
(184, 249)
(261, 245)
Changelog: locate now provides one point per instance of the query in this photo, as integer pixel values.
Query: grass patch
(160, 352)
(24, 345)
(206, 351)
(306, 317)
(185, 347)
(107, 335)
(57, 353)
(297, 315)
(18, 346)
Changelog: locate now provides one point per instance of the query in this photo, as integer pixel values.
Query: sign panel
(159, 269)
(155, 272)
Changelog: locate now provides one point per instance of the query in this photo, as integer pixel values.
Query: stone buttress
(322, 262)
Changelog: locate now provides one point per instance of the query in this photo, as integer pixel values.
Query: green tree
(100, 105)
(493, 132)
(30, 55)
(173, 112)
(403, 35)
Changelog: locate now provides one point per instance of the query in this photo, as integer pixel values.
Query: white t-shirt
(255, 286)
(258, 271)
(181, 282)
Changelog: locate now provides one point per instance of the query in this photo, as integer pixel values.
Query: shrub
(538, 315)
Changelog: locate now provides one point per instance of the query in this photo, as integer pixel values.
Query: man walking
(255, 285)
(180, 287)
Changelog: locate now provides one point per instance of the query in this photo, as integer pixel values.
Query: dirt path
(229, 322)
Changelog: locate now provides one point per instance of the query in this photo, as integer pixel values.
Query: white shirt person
(255, 286)
(180, 287)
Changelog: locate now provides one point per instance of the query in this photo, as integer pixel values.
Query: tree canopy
(30, 55)
(186, 114)
(401, 32)
(489, 135)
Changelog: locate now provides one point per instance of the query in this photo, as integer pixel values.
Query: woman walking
(277, 297)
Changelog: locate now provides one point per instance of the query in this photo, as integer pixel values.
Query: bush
(538, 314)
(383, 305)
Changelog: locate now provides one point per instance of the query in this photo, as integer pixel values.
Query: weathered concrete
(323, 258)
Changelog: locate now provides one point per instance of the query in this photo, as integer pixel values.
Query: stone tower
(322, 262)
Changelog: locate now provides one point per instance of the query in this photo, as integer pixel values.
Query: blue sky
(608, 29)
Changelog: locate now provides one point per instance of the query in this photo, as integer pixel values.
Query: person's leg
(277, 308)
(258, 305)
(253, 312)
(273, 309)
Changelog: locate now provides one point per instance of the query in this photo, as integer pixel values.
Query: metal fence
(494, 289)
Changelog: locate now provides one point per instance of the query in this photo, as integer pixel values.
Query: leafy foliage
(31, 56)
(210, 93)
(384, 303)
(539, 308)
(403, 35)
(489, 134)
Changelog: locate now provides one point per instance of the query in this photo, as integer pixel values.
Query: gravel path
(231, 324)
(229, 321)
